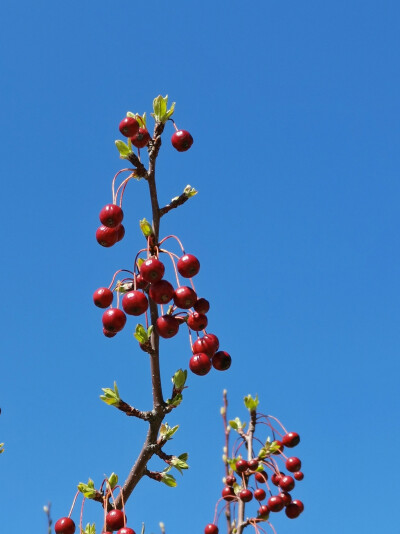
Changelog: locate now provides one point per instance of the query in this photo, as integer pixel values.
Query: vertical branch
(224, 411)
(249, 445)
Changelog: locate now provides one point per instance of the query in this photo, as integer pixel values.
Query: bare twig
(178, 201)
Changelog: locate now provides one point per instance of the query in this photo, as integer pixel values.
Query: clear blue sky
(294, 110)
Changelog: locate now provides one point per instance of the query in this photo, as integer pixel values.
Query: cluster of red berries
(111, 231)
(148, 283)
(115, 521)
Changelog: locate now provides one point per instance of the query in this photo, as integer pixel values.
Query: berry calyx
(261, 476)
(293, 464)
(200, 364)
(161, 292)
(111, 215)
(184, 297)
(102, 297)
(275, 503)
(211, 529)
(129, 126)
(141, 139)
(245, 495)
(241, 466)
(228, 494)
(286, 483)
(115, 519)
(135, 303)
(182, 140)
(291, 439)
(152, 270)
(260, 494)
(65, 525)
(188, 266)
(114, 320)
(201, 305)
(197, 321)
(167, 326)
(107, 237)
(222, 361)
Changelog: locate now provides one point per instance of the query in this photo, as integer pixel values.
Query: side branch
(178, 201)
(133, 412)
(141, 170)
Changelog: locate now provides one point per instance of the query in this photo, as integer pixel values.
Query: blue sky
(294, 111)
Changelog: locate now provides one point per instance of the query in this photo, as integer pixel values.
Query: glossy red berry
(211, 529)
(263, 511)
(111, 215)
(275, 478)
(184, 297)
(152, 270)
(161, 292)
(293, 510)
(126, 530)
(107, 237)
(230, 480)
(275, 503)
(114, 320)
(298, 475)
(253, 464)
(188, 266)
(293, 464)
(222, 361)
(286, 497)
(241, 466)
(201, 305)
(65, 525)
(245, 495)
(135, 303)
(286, 483)
(200, 364)
(129, 127)
(182, 140)
(260, 494)
(141, 139)
(167, 326)
(120, 232)
(197, 321)
(107, 333)
(103, 297)
(115, 519)
(213, 340)
(140, 282)
(291, 439)
(299, 504)
(204, 345)
(261, 476)
(228, 494)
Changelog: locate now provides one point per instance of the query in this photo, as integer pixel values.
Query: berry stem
(174, 237)
(73, 503)
(113, 182)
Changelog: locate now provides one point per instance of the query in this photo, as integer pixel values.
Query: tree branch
(178, 201)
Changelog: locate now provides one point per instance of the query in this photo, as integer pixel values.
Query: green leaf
(111, 396)
(274, 447)
(169, 480)
(190, 191)
(140, 261)
(125, 287)
(113, 480)
(141, 334)
(179, 463)
(175, 401)
(141, 120)
(169, 112)
(123, 149)
(237, 424)
(150, 330)
(250, 403)
(90, 529)
(130, 114)
(233, 425)
(179, 379)
(88, 490)
(167, 432)
(160, 112)
(145, 226)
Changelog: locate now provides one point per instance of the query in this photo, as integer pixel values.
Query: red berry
(299, 504)
(286, 483)
(152, 270)
(197, 321)
(261, 476)
(161, 292)
(298, 475)
(184, 297)
(291, 439)
(230, 480)
(114, 320)
(201, 305)
(182, 140)
(263, 511)
(102, 297)
(141, 139)
(200, 364)
(107, 333)
(135, 303)
(126, 530)
(167, 326)
(253, 464)
(211, 529)
(245, 495)
(293, 510)
(129, 127)
(275, 478)
(65, 525)
(107, 237)
(260, 494)
(286, 497)
(188, 266)
(115, 519)
(241, 466)
(204, 345)
(111, 215)
(120, 232)
(222, 361)
(140, 282)
(275, 503)
(212, 339)
(228, 494)
(293, 464)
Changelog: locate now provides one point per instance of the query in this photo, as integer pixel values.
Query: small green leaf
(111, 396)
(113, 480)
(90, 529)
(179, 463)
(175, 401)
(141, 334)
(169, 480)
(145, 226)
(150, 330)
(140, 261)
(179, 379)
(130, 114)
(169, 112)
(88, 489)
(125, 287)
(274, 447)
(160, 112)
(123, 149)
(167, 432)
(233, 425)
(190, 191)
(250, 403)
(141, 120)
